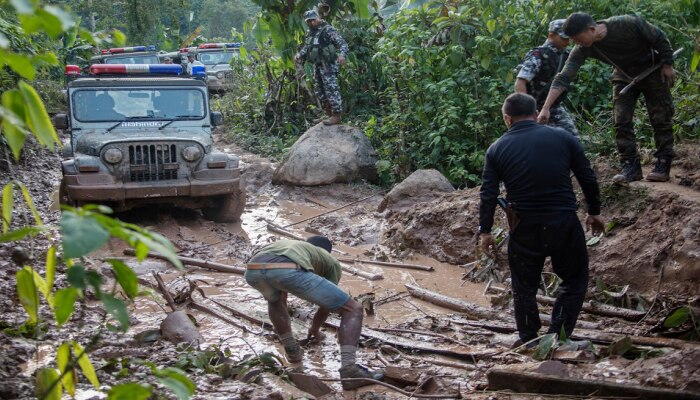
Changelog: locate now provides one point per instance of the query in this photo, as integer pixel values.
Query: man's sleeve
(530, 66)
(488, 194)
(657, 39)
(576, 59)
(338, 41)
(585, 176)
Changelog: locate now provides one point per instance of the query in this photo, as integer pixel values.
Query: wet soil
(653, 247)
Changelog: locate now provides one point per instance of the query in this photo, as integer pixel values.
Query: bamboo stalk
(196, 262)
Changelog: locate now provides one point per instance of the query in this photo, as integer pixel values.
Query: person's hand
(315, 336)
(341, 60)
(668, 74)
(488, 244)
(596, 224)
(543, 117)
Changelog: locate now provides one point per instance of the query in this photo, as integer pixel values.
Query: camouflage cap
(311, 14)
(557, 26)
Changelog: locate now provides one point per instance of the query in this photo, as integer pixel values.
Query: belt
(271, 266)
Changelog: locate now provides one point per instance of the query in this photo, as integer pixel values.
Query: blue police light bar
(126, 69)
(152, 47)
(198, 70)
(233, 45)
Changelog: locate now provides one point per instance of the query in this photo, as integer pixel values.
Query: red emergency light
(72, 70)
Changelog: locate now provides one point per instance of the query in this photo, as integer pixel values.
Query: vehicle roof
(127, 81)
(133, 53)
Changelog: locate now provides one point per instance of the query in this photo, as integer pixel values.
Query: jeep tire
(228, 208)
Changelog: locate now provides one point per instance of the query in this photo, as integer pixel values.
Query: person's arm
(488, 194)
(581, 167)
(562, 80)
(319, 318)
(528, 70)
(302, 53)
(659, 42)
(520, 85)
(339, 43)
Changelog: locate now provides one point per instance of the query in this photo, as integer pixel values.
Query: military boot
(631, 171)
(661, 171)
(358, 371)
(327, 111)
(333, 120)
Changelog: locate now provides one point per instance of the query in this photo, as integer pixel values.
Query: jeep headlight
(220, 75)
(113, 156)
(191, 153)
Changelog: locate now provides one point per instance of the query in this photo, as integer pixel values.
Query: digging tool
(646, 73)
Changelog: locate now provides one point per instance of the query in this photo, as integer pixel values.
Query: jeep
(137, 140)
(127, 55)
(216, 57)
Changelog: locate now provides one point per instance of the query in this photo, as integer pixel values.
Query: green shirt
(307, 256)
(631, 43)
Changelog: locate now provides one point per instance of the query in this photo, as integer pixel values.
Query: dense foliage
(427, 82)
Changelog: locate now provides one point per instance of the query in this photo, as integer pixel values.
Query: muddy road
(461, 347)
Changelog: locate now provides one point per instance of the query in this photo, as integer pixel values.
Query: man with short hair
(631, 45)
(191, 61)
(534, 162)
(536, 72)
(326, 49)
(307, 270)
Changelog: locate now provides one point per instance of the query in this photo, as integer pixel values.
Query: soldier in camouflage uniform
(326, 49)
(631, 45)
(537, 71)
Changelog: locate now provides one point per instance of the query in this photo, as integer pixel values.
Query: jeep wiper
(115, 125)
(177, 118)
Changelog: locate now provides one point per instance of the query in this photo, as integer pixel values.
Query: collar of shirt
(520, 125)
(548, 43)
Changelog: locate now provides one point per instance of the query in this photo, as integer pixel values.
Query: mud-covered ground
(650, 261)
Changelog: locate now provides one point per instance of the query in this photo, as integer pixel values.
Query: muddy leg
(350, 323)
(279, 315)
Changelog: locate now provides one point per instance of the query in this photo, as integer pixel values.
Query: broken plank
(196, 262)
(509, 378)
(457, 351)
(364, 274)
(607, 338)
(389, 264)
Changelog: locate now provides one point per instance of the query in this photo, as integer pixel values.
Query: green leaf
(117, 309)
(81, 234)
(7, 206)
(40, 284)
(38, 120)
(118, 37)
(63, 356)
(50, 267)
(21, 65)
(23, 6)
(13, 125)
(130, 391)
(126, 277)
(594, 240)
(85, 364)
(30, 204)
(491, 25)
(27, 292)
(677, 318)
(176, 380)
(76, 276)
(695, 61)
(45, 378)
(64, 304)
(48, 23)
(19, 234)
(141, 251)
(544, 348)
(65, 18)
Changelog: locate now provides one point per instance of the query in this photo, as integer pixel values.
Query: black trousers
(559, 236)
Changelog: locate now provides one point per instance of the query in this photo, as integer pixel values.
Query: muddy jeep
(217, 57)
(145, 140)
(127, 55)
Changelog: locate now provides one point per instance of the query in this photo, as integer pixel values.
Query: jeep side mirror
(216, 118)
(60, 121)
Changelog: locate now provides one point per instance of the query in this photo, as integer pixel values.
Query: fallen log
(473, 310)
(442, 363)
(389, 264)
(607, 338)
(589, 307)
(196, 262)
(457, 351)
(509, 378)
(364, 274)
(272, 227)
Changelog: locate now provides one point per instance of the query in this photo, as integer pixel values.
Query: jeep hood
(92, 141)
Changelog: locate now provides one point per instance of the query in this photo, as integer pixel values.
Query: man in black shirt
(534, 162)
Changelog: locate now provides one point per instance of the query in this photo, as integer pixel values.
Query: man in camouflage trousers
(537, 71)
(631, 45)
(326, 49)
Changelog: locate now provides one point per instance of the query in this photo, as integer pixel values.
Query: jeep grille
(153, 162)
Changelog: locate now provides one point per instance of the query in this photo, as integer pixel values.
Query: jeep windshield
(214, 58)
(121, 104)
(133, 59)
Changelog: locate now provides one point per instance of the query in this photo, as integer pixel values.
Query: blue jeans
(299, 282)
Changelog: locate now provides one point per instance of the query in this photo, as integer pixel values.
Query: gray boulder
(422, 185)
(328, 154)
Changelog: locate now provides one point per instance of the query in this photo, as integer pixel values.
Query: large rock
(422, 185)
(328, 154)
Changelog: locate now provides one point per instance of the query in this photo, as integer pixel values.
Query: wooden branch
(425, 333)
(442, 363)
(364, 274)
(473, 310)
(590, 307)
(333, 210)
(196, 262)
(389, 264)
(164, 290)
